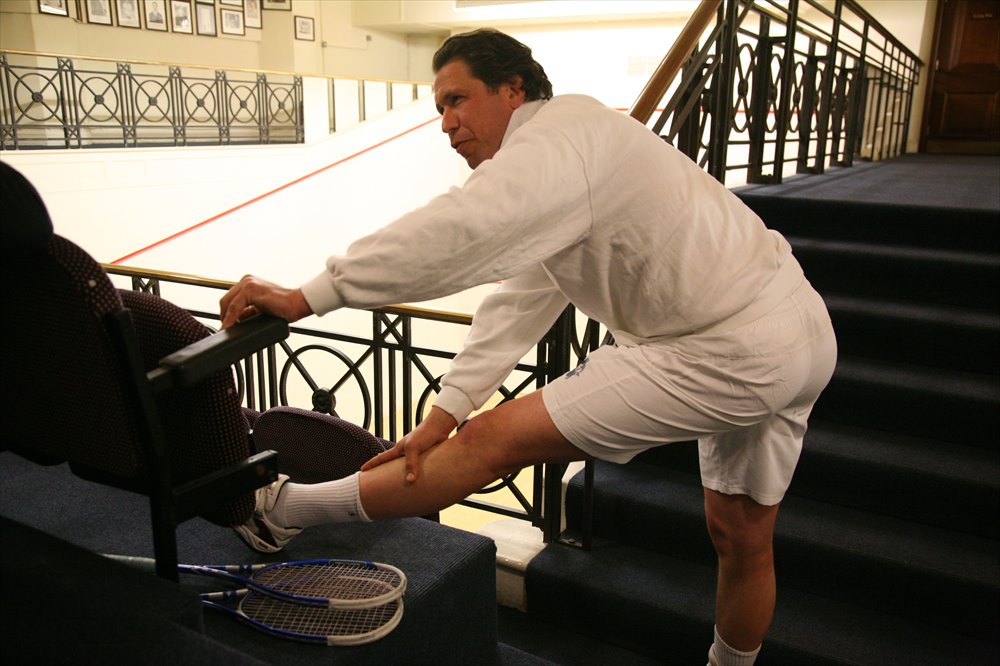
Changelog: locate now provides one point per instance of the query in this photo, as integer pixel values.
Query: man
(718, 335)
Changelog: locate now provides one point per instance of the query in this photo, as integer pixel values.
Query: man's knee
(515, 435)
(483, 437)
(739, 527)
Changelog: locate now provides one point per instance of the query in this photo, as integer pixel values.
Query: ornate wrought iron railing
(384, 381)
(55, 101)
(773, 84)
(58, 101)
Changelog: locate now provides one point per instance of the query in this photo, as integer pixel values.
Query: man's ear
(514, 92)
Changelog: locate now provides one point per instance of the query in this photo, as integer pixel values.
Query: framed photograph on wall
(99, 11)
(57, 7)
(180, 14)
(232, 22)
(156, 14)
(128, 13)
(281, 5)
(305, 28)
(205, 14)
(251, 14)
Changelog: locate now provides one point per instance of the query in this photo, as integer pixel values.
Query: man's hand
(432, 431)
(252, 295)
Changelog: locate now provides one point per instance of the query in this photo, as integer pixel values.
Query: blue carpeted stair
(887, 543)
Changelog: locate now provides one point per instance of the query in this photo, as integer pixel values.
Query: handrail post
(807, 106)
(722, 118)
(786, 79)
(759, 102)
(557, 364)
(826, 95)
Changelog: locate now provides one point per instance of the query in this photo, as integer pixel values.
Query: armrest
(192, 364)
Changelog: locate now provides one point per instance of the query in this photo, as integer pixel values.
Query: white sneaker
(260, 532)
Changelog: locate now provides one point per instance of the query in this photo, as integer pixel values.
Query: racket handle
(140, 563)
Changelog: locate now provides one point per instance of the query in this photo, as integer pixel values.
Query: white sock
(721, 654)
(309, 504)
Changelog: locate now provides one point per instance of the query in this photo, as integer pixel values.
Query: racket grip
(141, 563)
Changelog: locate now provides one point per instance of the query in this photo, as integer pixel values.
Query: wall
(912, 23)
(337, 49)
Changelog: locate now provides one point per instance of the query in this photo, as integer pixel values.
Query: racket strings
(325, 622)
(340, 581)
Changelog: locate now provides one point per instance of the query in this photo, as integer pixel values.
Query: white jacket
(581, 205)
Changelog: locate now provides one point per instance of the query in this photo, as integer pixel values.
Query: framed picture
(206, 18)
(282, 5)
(57, 7)
(232, 22)
(128, 13)
(180, 13)
(234, 3)
(205, 2)
(251, 13)
(99, 11)
(156, 14)
(305, 28)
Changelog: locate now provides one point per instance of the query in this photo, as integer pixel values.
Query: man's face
(474, 118)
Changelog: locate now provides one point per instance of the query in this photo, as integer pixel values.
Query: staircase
(887, 543)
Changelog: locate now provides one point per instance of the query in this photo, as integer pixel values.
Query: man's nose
(449, 121)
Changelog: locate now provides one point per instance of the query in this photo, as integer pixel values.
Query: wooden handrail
(670, 66)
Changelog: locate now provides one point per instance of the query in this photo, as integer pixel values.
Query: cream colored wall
(340, 49)
(912, 23)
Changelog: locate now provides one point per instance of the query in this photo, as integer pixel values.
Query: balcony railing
(57, 101)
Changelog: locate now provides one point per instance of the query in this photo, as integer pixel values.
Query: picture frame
(128, 13)
(277, 5)
(56, 7)
(251, 14)
(205, 18)
(305, 28)
(231, 22)
(234, 3)
(155, 13)
(99, 12)
(205, 2)
(180, 16)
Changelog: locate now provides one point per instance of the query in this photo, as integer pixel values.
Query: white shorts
(745, 394)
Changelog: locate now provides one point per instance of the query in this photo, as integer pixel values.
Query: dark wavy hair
(495, 59)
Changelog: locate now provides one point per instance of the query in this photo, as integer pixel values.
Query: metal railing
(384, 381)
(773, 84)
(58, 101)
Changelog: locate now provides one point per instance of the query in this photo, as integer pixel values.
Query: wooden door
(963, 110)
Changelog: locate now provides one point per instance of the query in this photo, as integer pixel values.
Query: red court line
(182, 232)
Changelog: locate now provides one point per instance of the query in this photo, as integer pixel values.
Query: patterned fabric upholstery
(60, 358)
(314, 447)
(205, 426)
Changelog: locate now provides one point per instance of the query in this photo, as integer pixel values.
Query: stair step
(973, 230)
(942, 484)
(896, 566)
(911, 274)
(931, 335)
(663, 607)
(950, 405)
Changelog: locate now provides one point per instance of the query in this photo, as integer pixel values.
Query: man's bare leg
(492, 445)
(742, 531)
